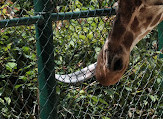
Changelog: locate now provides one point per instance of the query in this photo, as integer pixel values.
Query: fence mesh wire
(18, 69)
(77, 42)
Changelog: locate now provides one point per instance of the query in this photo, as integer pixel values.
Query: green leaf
(145, 102)
(18, 86)
(11, 65)
(8, 100)
(24, 78)
(2, 101)
(82, 92)
(90, 35)
(103, 101)
(153, 98)
(82, 36)
(94, 98)
(58, 91)
(72, 43)
(1, 91)
(26, 49)
(105, 118)
(97, 49)
(128, 89)
(8, 47)
(159, 80)
(31, 39)
(4, 76)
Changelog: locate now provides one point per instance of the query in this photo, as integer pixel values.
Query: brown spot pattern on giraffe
(126, 9)
(128, 39)
(156, 20)
(118, 30)
(148, 21)
(135, 25)
(158, 3)
(143, 9)
(138, 2)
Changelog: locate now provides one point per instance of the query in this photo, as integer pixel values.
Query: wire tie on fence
(40, 13)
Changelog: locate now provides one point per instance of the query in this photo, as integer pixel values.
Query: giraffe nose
(117, 64)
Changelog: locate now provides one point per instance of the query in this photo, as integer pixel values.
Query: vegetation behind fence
(76, 44)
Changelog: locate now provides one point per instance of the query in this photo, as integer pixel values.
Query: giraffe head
(134, 19)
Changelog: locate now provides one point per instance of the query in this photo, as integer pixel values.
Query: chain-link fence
(67, 43)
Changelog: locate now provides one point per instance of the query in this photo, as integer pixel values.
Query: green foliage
(77, 43)
(18, 71)
(24, 4)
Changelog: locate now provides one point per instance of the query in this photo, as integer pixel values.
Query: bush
(77, 43)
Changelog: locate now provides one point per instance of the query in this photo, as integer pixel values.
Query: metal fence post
(160, 37)
(160, 44)
(45, 53)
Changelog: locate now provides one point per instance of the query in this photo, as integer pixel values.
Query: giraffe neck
(140, 28)
(130, 28)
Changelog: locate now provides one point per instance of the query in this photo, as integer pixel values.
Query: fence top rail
(82, 14)
(20, 21)
(56, 17)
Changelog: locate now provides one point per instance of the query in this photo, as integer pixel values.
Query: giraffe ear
(115, 6)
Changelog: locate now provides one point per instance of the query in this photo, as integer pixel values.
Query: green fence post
(45, 53)
(160, 45)
(160, 37)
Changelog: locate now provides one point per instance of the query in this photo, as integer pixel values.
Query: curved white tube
(78, 76)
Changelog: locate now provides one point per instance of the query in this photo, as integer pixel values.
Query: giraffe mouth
(111, 66)
(110, 77)
(109, 73)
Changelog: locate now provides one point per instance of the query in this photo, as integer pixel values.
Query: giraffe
(134, 20)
